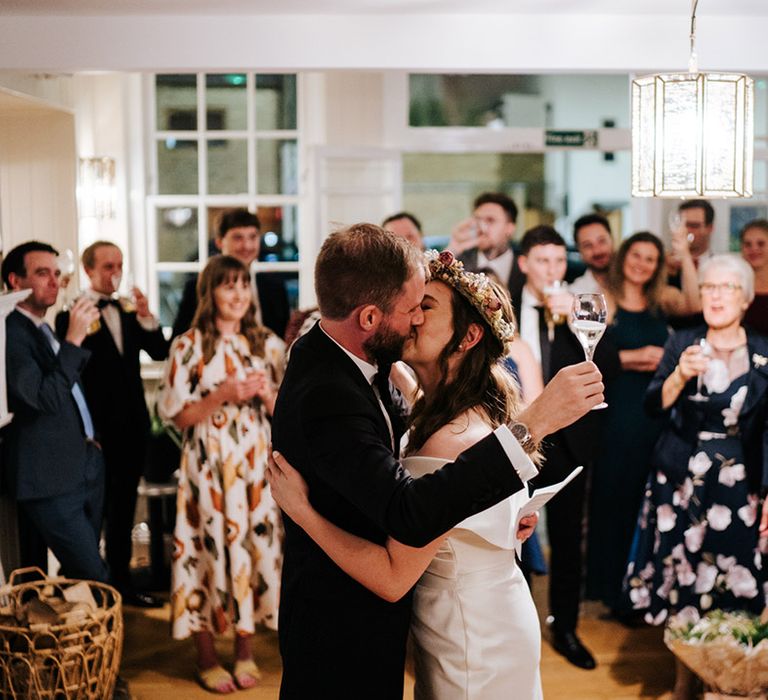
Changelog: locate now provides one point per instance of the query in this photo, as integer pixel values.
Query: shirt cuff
(148, 323)
(522, 463)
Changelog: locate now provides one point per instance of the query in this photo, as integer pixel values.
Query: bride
(474, 624)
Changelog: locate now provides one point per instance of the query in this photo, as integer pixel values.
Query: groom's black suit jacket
(329, 425)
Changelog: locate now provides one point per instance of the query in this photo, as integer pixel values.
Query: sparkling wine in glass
(588, 324)
(698, 396)
(675, 221)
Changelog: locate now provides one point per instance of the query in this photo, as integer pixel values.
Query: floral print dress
(227, 540)
(695, 547)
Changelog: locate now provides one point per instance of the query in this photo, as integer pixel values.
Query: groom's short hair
(362, 264)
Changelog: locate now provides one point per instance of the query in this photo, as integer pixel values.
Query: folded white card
(538, 499)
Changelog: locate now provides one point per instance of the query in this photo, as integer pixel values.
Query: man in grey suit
(54, 467)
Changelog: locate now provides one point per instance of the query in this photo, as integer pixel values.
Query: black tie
(545, 345)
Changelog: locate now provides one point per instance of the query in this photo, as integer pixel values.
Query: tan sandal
(247, 674)
(216, 680)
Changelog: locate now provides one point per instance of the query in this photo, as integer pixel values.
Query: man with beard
(336, 421)
(592, 236)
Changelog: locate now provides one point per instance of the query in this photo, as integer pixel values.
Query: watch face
(519, 431)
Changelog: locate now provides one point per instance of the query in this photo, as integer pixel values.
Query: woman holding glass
(220, 388)
(639, 303)
(696, 546)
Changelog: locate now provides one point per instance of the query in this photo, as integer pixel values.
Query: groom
(336, 422)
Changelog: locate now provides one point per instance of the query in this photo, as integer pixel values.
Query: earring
(461, 347)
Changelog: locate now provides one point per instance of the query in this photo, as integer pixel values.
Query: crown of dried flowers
(475, 287)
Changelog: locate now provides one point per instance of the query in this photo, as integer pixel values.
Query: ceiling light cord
(693, 62)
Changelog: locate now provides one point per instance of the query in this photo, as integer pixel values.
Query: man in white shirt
(592, 236)
(482, 242)
(115, 393)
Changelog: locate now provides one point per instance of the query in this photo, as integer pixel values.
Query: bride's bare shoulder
(455, 437)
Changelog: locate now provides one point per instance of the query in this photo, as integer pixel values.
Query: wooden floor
(632, 663)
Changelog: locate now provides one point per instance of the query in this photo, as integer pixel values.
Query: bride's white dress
(474, 624)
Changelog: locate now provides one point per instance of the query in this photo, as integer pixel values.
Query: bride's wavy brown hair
(481, 380)
(224, 269)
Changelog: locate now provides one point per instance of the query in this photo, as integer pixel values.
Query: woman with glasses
(696, 545)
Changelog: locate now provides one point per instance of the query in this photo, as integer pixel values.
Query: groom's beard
(385, 346)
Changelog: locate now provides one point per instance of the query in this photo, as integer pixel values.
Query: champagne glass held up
(675, 221)
(67, 267)
(698, 396)
(588, 324)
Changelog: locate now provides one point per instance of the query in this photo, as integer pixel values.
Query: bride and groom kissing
(363, 526)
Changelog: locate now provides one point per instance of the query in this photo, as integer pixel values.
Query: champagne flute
(554, 287)
(698, 396)
(675, 221)
(588, 325)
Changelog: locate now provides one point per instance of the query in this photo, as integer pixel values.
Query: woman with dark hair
(696, 547)
(640, 302)
(219, 389)
(474, 623)
(754, 249)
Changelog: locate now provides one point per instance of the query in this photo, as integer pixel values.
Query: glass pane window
(177, 238)
(277, 167)
(228, 166)
(176, 166)
(171, 288)
(226, 102)
(275, 102)
(176, 100)
(279, 233)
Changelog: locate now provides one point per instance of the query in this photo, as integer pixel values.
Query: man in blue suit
(54, 466)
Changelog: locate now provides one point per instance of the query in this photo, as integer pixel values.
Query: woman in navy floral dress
(696, 546)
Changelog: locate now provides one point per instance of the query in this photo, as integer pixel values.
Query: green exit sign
(572, 139)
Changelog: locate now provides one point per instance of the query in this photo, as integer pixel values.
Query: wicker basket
(76, 661)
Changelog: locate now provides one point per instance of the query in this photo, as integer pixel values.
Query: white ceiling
(386, 7)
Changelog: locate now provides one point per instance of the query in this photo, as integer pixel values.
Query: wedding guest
(54, 464)
(640, 302)
(407, 226)
(220, 387)
(471, 600)
(697, 542)
(484, 240)
(592, 236)
(754, 249)
(698, 219)
(115, 393)
(543, 261)
(239, 235)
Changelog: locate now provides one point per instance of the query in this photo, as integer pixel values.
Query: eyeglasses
(723, 288)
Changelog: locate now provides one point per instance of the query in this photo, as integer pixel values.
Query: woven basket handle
(26, 570)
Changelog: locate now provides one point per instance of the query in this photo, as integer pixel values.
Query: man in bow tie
(113, 386)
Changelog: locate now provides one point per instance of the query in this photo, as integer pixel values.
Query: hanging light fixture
(692, 133)
(96, 192)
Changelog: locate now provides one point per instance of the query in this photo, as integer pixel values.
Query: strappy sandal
(216, 680)
(247, 674)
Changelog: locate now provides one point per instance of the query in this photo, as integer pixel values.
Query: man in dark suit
(115, 393)
(336, 421)
(543, 260)
(54, 466)
(239, 235)
(483, 241)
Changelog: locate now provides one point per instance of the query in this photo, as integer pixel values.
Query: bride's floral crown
(475, 287)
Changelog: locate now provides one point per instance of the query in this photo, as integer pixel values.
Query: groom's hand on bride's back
(569, 395)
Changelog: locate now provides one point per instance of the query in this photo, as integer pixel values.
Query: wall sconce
(96, 193)
(692, 133)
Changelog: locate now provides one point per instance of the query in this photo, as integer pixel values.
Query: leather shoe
(137, 599)
(570, 646)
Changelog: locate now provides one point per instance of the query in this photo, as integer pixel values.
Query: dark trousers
(70, 524)
(124, 465)
(565, 521)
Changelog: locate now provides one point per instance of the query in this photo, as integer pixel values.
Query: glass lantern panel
(679, 128)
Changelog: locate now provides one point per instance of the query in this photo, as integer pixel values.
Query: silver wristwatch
(524, 437)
